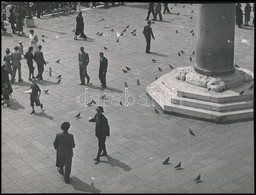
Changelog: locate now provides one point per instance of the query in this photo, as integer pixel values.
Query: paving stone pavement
(140, 139)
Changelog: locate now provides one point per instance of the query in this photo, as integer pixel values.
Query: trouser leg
(86, 75)
(14, 73)
(68, 163)
(81, 70)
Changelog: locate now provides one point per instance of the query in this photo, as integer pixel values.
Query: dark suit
(103, 71)
(64, 144)
(151, 10)
(101, 131)
(39, 58)
(148, 33)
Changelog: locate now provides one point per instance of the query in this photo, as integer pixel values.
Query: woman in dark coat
(239, 15)
(6, 85)
(247, 13)
(20, 23)
(80, 26)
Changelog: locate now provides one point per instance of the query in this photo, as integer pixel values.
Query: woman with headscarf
(80, 27)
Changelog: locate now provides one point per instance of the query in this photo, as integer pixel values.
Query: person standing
(12, 21)
(80, 27)
(7, 60)
(83, 59)
(101, 131)
(29, 56)
(239, 15)
(39, 58)
(34, 96)
(158, 8)
(148, 33)
(151, 10)
(15, 58)
(33, 40)
(166, 8)
(247, 13)
(64, 143)
(103, 70)
(20, 23)
(21, 48)
(6, 85)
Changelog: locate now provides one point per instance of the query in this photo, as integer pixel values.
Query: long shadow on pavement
(15, 105)
(23, 83)
(158, 54)
(108, 88)
(43, 114)
(81, 186)
(114, 162)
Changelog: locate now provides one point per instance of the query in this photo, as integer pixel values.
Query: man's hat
(100, 108)
(65, 126)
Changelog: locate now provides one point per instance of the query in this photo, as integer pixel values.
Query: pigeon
(127, 26)
(112, 30)
(250, 88)
(176, 31)
(134, 34)
(156, 111)
(183, 5)
(124, 30)
(117, 40)
(133, 31)
(97, 33)
(166, 161)
(178, 166)
(121, 34)
(179, 53)
(78, 115)
(59, 80)
(93, 101)
(237, 66)
(58, 61)
(128, 68)
(46, 91)
(121, 103)
(101, 34)
(156, 78)
(191, 132)
(242, 92)
(125, 71)
(126, 85)
(198, 178)
(101, 19)
(191, 31)
(190, 58)
(182, 51)
(192, 11)
(193, 34)
(178, 13)
(191, 17)
(138, 82)
(43, 40)
(153, 60)
(105, 48)
(171, 66)
(160, 69)
(193, 52)
(74, 30)
(103, 97)
(59, 76)
(43, 35)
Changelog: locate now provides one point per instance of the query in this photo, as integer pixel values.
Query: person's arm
(73, 142)
(92, 119)
(56, 142)
(87, 59)
(43, 58)
(39, 91)
(79, 58)
(152, 33)
(106, 67)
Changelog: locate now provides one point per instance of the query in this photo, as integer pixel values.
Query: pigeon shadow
(199, 181)
(81, 186)
(167, 163)
(90, 39)
(23, 83)
(114, 162)
(43, 114)
(180, 168)
(158, 54)
(15, 105)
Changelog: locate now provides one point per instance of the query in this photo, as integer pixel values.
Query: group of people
(247, 14)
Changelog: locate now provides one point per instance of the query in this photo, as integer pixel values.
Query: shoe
(32, 112)
(29, 79)
(67, 181)
(104, 154)
(97, 159)
(147, 51)
(82, 84)
(103, 87)
(88, 81)
(41, 105)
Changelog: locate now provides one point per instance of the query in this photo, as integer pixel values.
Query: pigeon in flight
(242, 92)
(156, 78)
(78, 115)
(193, 34)
(193, 52)
(101, 19)
(58, 61)
(134, 34)
(191, 132)
(166, 162)
(191, 17)
(97, 33)
(191, 31)
(183, 6)
(101, 34)
(192, 11)
(74, 30)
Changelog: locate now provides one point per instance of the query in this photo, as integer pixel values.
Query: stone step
(232, 97)
(211, 105)
(208, 114)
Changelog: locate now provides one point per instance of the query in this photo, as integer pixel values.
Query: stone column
(215, 39)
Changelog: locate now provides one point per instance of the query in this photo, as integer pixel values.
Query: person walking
(151, 10)
(7, 60)
(101, 131)
(33, 39)
(148, 33)
(103, 70)
(12, 21)
(6, 86)
(166, 8)
(247, 14)
(158, 8)
(239, 15)
(39, 58)
(15, 58)
(83, 59)
(29, 56)
(20, 23)
(21, 48)
(34, 96)
(80, 27)
(64, 143)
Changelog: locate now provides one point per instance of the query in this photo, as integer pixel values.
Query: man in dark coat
(148, 33)
(34, 96)
(39, 58)
(80, 27)
(247, 14)
(6, 85)
(166, 8)
(151, 10)
(83, 59)
(239, 15)
(12, 21)
(158, 8)
(103, 70)
(64, 144)
(101, 131)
